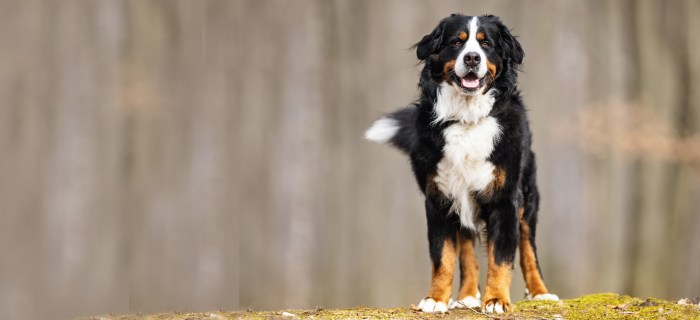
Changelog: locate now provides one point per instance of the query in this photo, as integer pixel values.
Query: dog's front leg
(503, 236)
(442, 236)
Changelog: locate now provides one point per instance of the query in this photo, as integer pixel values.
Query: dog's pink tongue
(470, 83)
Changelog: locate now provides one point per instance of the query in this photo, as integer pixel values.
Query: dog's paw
(468, 302)
(495, 305)
(545, 297)
(430, 305)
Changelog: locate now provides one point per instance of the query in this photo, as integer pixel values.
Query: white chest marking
(464, 167)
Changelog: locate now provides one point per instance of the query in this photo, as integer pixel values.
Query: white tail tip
(382, 130)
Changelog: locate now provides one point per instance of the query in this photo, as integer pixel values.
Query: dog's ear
(430, 43)
(510, 45)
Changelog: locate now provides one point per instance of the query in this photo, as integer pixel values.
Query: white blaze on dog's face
(470, 65)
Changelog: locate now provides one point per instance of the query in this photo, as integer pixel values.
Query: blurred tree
(161, 155)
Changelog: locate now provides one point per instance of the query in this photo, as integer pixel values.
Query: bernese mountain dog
(468, 140)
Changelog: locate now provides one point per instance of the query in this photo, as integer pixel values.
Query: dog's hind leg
(536, 289)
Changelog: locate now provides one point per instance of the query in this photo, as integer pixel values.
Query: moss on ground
(595, 306)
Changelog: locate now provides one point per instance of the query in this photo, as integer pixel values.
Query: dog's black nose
(472, 59)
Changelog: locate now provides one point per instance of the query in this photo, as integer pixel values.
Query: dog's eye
(457, 43)
(485, 44)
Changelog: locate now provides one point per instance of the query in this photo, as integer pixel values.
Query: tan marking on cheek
(491, 75)
(462, 36)
(528, 261)
(498, 279)
(441, 284)
(469, 267)
(449, 66)
(491, 68)
(480, 36)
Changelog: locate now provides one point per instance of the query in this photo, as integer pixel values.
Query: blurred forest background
(203, 155)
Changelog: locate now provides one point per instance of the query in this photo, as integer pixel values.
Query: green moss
(594, 306)
(608, 306)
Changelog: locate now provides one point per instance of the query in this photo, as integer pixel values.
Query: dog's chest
(464, 168)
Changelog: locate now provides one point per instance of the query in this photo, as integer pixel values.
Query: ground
(595, 306)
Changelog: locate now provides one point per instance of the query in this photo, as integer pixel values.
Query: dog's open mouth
(469, 83)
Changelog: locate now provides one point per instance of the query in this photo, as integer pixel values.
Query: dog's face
(469, 53)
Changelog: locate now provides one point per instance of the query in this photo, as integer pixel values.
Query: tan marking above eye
(480, 36)
(462, 36)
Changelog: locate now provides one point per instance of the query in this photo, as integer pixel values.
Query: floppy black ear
(510, 45)
(429, 44)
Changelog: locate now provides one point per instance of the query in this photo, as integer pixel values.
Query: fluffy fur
(468, 140)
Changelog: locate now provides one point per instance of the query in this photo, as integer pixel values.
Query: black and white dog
(469, 144)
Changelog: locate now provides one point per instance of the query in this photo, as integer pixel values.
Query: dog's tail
(397, 128)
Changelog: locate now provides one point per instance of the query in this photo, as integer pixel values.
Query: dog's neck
(451, 105)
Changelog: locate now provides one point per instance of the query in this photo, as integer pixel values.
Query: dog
(468, 140)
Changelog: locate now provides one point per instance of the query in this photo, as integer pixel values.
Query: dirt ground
(595, 306)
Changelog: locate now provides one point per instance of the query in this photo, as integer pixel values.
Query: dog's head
(473, 54)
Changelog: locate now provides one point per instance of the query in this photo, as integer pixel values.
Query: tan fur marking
(469, 267)
(462, 36)
(447, 69)
(528, 261)
(480, 36)
(441, 284)
(491, 74)
(432, 189)
(491, 68)
(499, 180)
(497, 282)
(499, 177)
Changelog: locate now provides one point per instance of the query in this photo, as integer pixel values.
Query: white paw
(545, 297)
(429, 305)
(468, 302)
(496, 307)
